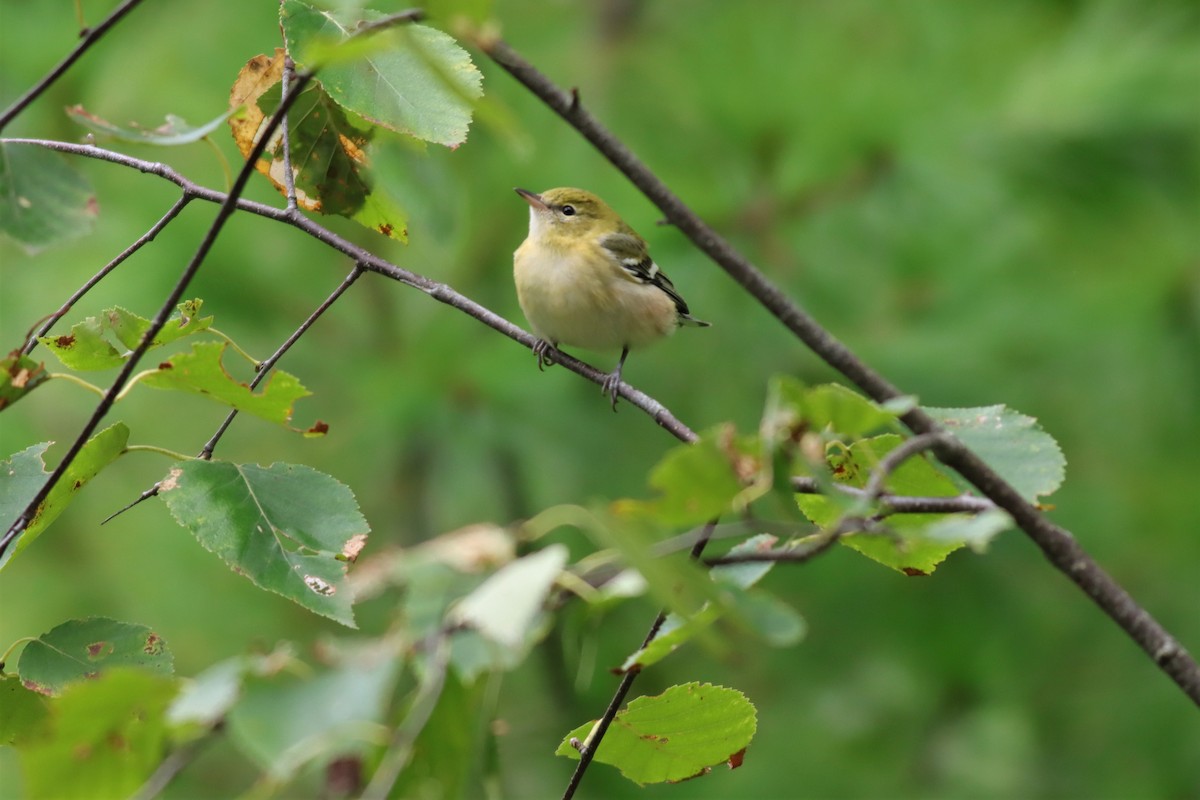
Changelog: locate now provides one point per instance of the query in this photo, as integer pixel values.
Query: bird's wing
(631, 254)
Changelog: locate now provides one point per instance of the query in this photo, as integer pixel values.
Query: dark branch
(91, 36)
(902, 504)
(1056, 543)
(587, 749)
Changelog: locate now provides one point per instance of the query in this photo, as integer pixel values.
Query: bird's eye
(568, 211)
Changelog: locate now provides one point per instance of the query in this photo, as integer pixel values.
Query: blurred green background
(989, 202)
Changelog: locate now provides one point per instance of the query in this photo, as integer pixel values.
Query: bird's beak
(534, 200)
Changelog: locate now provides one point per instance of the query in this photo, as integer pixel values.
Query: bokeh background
(990, 202)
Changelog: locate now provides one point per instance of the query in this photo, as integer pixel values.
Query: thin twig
(903, 504)
(147, 237)
(892, 461)
(587, 750)
(266, 366)
(799, 555)
(172, 765)
(285, 130)
(1058, 545)
(90, 37)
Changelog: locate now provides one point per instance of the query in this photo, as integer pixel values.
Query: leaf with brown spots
(19, 375)
(81, 649)
(675, 736)
(329, 149)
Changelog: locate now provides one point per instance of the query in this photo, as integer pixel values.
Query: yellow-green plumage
(584, 278)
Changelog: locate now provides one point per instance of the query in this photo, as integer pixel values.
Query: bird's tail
(689, 320)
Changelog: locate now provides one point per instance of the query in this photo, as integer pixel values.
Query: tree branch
(1058, 545)
(904, 504)
(90, 37)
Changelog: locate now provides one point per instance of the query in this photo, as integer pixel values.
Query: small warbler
(584, 278)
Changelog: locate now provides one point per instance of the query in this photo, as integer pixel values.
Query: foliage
(993, 202)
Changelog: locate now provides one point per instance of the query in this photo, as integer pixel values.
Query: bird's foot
(611, 386)
(543, 350)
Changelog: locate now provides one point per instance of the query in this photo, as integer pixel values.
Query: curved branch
(1058, 545)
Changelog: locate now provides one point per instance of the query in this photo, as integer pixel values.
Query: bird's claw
(611, 386)
(542, 350)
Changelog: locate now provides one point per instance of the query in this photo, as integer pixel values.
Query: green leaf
(420, 82)
(330, 151)
(87, 347)
(792, 407)
(201, 372)
(205, 699)
(677, 735)
(675, 631)
(769, 617)
(747, 573)
(22, 711)
(20, 483)
(974, 531)
(19, 375)
(1011, 443)
(910, 550)
(21, 476)
(174, 131)
(80, 649)
(447, 745)
(285, 722)
(102, 739)
(696, 483)
(775, 621)
(43, 201)
(834, 407)
(504, 607)
(130, 328)
(286, 527)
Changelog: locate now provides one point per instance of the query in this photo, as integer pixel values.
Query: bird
(585, 279)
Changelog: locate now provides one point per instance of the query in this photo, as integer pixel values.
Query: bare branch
(1058, 545)
(90, 37)
(266, 366)
(903, 504)
(892, 461)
